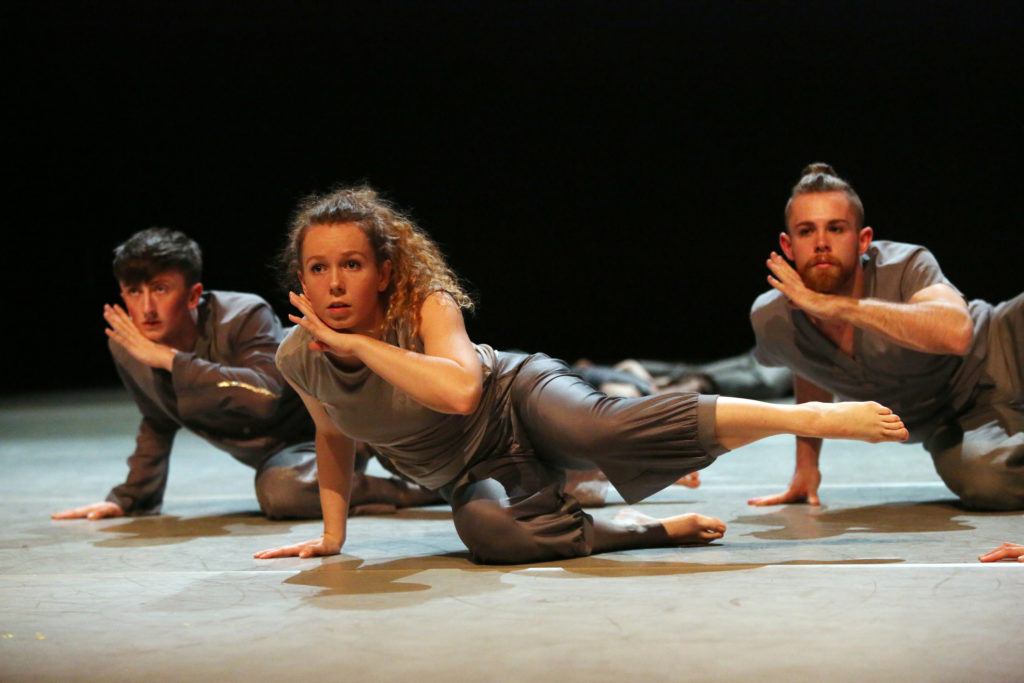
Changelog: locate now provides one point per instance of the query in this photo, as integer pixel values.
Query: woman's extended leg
(740, 421)
(645, 444)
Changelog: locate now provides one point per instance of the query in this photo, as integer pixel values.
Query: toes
(711, 523)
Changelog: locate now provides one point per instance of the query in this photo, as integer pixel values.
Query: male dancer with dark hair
(204, 360)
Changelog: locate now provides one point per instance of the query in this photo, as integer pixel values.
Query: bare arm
(803, 488)
(446, 377)
(934, 320)
(335, 460)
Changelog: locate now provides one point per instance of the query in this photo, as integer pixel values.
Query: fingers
(281, 551)
(117, 318)
(1006, 551)
(300, 550)
(769, 500)
(787, 497)
(301, 302)
(122, 329)
(75, 513)
(780, 267)
(300, 320)
(92, 511)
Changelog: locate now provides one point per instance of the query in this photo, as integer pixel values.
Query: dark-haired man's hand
(123, 331)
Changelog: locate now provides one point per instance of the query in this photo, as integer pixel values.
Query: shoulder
(887, 253)
(232, 304)
(768, 306)
(772, 321)
(902, 269)
(293, 357)
(440, 303)
(293, 347)
(238, 314)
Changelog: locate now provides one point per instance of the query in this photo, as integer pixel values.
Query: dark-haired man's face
(825, 241)
(161, 307)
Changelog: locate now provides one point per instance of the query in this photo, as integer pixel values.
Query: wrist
(167, 362)
(844, 309)
(806, 461)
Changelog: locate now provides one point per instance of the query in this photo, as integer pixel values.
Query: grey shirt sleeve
(143, 490)
(237, 388)
(765, 314)
(922, 270)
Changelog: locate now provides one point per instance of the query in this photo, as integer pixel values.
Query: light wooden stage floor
(879, 583)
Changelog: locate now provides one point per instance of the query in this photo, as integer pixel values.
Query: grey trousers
(287, 486)
(980, 453)
(510, 508)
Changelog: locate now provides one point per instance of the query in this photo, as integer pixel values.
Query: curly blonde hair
(418, 268)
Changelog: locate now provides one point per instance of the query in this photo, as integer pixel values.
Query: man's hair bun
(819, 167)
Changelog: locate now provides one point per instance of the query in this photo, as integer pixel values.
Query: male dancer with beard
(863, 319)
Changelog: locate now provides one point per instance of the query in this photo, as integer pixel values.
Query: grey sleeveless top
(429, 447)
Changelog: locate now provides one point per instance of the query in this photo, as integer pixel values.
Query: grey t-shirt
(924, 389)
(429, 447)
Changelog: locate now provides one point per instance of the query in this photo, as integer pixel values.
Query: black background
(607, 177)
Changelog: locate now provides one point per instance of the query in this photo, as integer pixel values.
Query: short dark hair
(152, 251)
(820, 177)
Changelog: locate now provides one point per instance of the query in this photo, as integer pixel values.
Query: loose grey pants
(511, 507)
(287, 486)
(980, 453)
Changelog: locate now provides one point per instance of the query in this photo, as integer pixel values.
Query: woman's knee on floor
(492, 534)
(545, 525)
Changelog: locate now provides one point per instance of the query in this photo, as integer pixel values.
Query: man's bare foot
(691, 480)
(588, 487)
(863, 421)
(688, 528)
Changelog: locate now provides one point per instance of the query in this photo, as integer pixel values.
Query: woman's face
(341, 278)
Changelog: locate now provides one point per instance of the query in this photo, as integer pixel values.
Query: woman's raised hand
(324, 338)
(325, 545)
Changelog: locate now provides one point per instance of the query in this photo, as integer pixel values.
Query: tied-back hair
(418, 268)
(820, 177)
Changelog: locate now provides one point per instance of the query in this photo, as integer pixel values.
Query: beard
(835, 280)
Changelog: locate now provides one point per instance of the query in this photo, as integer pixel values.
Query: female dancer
(381, 355)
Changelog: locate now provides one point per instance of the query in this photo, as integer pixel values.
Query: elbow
(960, 338)
(467, 399)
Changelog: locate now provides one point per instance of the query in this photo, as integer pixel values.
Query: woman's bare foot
(691, 480)
(863, 421)
(688, 528)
